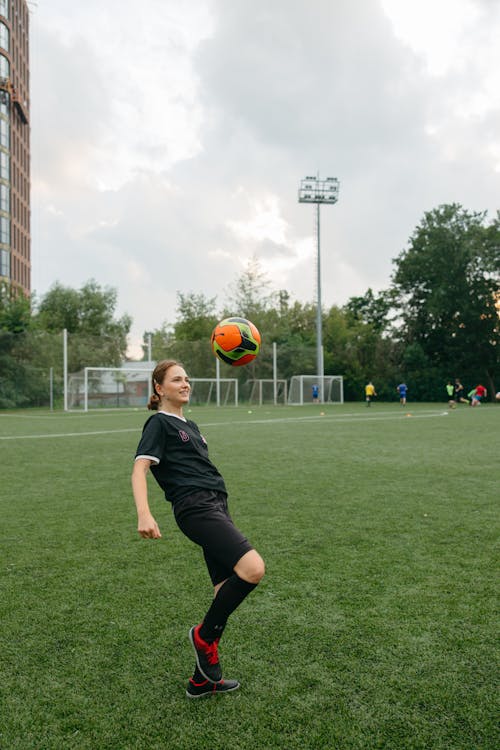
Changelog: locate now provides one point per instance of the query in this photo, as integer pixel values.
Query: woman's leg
(250, 567)
(229, 594)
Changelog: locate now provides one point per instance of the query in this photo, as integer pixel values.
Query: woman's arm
(146, 524)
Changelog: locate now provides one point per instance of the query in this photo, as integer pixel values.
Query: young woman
(177, 454)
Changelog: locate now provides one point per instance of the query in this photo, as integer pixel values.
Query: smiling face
(174, 389)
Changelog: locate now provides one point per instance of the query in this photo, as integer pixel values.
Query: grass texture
(374, 627)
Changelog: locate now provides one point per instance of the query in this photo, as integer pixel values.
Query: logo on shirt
(183, 436)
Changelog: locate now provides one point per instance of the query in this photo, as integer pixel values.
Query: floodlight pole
(316, 190)
(320, 368)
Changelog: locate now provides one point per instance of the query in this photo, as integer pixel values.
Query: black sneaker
(200, 689)
(207, 657)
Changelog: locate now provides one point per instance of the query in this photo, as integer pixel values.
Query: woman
(177, 454)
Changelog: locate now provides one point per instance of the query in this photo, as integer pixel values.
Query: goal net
(212, 391)
(267, 391)
(108, 388)
(118, 387)
(330, 389)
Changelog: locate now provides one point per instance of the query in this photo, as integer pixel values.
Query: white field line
(387, 416)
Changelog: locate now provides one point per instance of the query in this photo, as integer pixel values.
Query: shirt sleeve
(152, 442)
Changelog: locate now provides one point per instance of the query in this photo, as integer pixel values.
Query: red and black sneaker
(207, 656)
(201, 689)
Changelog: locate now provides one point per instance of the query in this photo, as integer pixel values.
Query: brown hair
(157, 378)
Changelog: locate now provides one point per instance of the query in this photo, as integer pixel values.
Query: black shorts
(204, 518)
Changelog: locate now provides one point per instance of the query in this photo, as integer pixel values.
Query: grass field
(375, 626)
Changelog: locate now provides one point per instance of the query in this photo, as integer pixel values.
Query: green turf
(375, 624)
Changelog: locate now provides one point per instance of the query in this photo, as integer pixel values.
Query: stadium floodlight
(317, 190)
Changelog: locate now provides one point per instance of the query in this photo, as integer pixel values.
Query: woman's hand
(148, 528)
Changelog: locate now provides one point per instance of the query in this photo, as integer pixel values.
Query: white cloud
(437, 31)
(168, 144)
(266, 222)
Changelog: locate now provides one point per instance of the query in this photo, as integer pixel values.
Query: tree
(97, 338)
(196, 317)
(15, 309)
(250, 296)
(371, 308)
(445, 285)
(23, 380)
(357, 350)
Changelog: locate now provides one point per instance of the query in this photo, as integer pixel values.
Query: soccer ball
(235, 341)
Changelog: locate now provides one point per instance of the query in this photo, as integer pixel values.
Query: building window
(4, 133)
(4, 8)
(4, 165)
(4, 67)
(5, 263)
(4, 103)
(4, 198)
(4, 230)
(4, 36)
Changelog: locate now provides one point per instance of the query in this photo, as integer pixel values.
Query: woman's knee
(250, 567)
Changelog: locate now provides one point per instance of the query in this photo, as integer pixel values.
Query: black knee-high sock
(229, 596)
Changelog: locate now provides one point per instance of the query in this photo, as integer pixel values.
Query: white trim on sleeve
(150, 458)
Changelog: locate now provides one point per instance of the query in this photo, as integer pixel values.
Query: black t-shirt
(179, 453)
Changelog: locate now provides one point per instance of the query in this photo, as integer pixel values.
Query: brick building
(15, 239)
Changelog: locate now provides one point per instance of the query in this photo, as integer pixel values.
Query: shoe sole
(212, 692)
(210, 679)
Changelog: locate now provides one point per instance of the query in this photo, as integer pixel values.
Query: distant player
(315, 393)
(477, 394)
(402, 389)
(481, 392)
(450, 390)
(474, 401)
(177, 454)
(459, 392)
(369, 393)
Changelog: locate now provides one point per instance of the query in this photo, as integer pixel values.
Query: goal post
(301, 389)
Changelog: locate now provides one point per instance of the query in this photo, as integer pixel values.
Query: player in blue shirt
(401, 389)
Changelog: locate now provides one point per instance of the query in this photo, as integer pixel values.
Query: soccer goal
(221, 392)
(267, 391)
(301, 389)
(118, 387)
(109, 387)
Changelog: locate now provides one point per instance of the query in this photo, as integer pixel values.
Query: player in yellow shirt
(369, 393)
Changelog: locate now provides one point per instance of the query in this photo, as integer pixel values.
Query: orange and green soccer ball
(235, 341)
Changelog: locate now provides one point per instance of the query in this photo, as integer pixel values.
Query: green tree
(15, 309)
(357, 350)
(96, 337)
(23, 369)
(372, 308)
(188, 340)
(250, 296)
(445, 285)
(196, 317)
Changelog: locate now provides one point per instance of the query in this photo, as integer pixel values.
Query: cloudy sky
(169, 139)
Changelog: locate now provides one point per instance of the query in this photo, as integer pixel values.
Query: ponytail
(154, 402)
